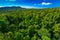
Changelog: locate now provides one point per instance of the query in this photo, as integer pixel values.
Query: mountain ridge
(12, 7)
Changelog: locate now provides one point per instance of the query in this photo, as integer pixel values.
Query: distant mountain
(12, 7)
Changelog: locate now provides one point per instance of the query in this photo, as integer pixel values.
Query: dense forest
(30, 24)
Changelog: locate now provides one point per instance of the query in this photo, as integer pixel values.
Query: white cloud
(1, 6)
(46, 3)
(27, 7)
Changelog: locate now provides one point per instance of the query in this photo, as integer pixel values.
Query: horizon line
(28, 7)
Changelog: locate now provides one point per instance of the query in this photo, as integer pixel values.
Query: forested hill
(30, 24)
(11, 8)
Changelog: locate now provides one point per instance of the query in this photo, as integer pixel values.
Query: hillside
(12, 7)
(30, 24)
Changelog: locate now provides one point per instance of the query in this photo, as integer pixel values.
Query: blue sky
(31, 3)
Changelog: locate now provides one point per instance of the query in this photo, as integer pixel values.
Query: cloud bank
(28, 7)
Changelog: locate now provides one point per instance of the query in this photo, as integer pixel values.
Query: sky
(31, 3)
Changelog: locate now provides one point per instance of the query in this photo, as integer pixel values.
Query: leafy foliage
(30, 24)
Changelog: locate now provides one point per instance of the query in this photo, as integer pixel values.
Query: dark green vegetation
(30, 24)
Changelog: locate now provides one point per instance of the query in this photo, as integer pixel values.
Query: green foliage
(30, 24)
(45, 38)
